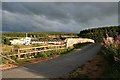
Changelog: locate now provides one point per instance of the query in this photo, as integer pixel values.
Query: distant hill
(98, 33)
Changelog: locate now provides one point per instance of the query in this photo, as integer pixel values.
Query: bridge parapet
(71, 41)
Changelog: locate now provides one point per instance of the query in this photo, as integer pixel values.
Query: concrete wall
(71, 41)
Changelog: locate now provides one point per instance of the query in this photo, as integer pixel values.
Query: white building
(23, 41)
(27, 41)
(16, 41)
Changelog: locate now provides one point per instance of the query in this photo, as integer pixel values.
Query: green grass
(113, 67)
(112, 71)
(23, 60)
(50, 53)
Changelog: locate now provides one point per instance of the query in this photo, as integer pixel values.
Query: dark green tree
(6, 41)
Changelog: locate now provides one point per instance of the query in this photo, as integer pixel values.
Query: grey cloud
(60, 0)
(83, 10)
(54, 16)
(15, 7)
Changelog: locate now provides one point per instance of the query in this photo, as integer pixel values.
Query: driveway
(57, 67)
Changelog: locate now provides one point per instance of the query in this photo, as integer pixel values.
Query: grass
(113, 67)
(23, 60)
(112, 71)
(47, 53)
(8, 48)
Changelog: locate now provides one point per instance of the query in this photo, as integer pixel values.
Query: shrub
(109, 52)
(16, 46)
(7, 41)
(42, 54)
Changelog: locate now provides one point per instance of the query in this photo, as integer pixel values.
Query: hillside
(98, 33)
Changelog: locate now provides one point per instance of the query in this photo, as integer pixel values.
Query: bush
(16, 46)
(14, 58)
(42, 54)
(113, 71)
(6, 41)
(110, 51)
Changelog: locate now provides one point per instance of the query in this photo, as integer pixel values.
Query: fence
(23, 53)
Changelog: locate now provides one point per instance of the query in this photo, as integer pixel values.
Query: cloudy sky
(57, 16)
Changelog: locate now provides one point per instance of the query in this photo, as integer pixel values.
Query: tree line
(98, 33)
(36, 34)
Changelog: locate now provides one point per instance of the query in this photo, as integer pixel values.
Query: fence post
(18, 54)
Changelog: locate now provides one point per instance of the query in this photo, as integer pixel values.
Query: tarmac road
(57, 67)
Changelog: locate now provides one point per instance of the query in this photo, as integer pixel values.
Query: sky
(57, 16)
(60, 0)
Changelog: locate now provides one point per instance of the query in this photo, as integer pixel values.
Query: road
(57, 67)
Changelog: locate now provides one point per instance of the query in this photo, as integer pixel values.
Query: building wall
(71, 41)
